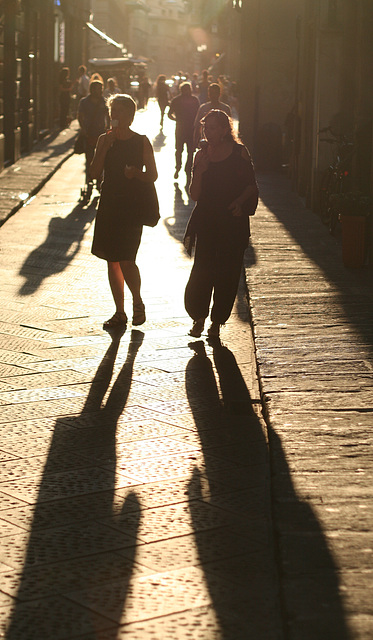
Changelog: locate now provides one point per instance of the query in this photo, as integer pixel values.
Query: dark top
(117, 231)
(95, 115)
(162, 93)
(222, 183)
(185, 110)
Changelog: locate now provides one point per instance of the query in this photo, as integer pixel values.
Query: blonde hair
(124, 100)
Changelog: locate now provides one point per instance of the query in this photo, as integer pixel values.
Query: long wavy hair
(225, 121)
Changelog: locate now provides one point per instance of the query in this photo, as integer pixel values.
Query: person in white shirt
(82, 89)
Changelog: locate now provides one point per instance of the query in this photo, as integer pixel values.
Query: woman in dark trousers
(121, 154)
(225, 190)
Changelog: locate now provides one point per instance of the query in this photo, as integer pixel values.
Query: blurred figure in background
(111, 88)
(213, 103)
(203, 87)
(93, 118)
(80, 88)
(82, 82)
(194, 83)
(162, 93)
(183, 109)
(144, 90)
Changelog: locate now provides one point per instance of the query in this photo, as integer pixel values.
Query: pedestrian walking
(162, 93)
(194, 83)
(111, 88)
(214, 102)
(224, 88)
(183, 109)
(65, 86)
(93, 118)
(80, 88)
(203, 87)
(82, 82)
(144, 90)
(225, 190)
(122, 154)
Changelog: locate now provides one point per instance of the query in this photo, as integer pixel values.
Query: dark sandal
(119, 319)
(139, 316)
(197, 328)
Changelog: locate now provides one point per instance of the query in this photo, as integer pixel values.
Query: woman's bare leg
(131, 275)
(116, 281)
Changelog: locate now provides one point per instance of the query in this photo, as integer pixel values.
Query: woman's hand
(202, 159)
(235, 208)
(131, 172)
(108, 139)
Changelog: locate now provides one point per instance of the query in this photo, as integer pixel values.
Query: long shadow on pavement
(241, 581)
(58, 249)
(79, 523)
(236, 554)
(310, 591)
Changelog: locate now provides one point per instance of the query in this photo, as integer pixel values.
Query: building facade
(37, 38)
(334, 90)
(306, 65)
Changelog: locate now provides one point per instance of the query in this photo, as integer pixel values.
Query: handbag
(147, 205)
(79, 145)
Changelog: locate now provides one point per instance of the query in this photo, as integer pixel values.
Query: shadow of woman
(58, 249)
(310, 588)
(79, 523)
(238, 558)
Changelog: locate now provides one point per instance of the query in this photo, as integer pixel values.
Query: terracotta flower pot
(353, 240)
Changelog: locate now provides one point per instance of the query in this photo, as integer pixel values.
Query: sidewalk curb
(29, 161)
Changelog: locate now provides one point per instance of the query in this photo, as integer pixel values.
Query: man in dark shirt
(214, 103)
(183, 109)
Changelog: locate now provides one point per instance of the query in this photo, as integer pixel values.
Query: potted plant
(353, 209)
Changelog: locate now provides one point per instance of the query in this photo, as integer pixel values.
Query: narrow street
(142, 494)
(135, 477)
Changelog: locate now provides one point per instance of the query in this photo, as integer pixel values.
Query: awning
(116, 63)
(103, 36)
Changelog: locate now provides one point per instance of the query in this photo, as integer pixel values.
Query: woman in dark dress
(225, 190)
(121, 154)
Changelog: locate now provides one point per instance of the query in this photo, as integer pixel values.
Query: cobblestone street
(142, 494)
